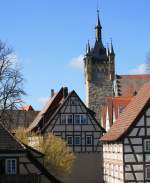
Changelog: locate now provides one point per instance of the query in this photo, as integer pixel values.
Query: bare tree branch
(11, 84)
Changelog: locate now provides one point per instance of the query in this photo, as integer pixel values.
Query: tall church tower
(99, 71)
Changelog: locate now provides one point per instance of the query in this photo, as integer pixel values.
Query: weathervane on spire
(98, 25)
(98, 7)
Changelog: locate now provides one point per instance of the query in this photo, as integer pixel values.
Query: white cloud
(140, 69)
(77, 62)
(43, 100)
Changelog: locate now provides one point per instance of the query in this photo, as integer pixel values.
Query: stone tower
(99, 71)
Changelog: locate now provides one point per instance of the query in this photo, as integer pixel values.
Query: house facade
(66, 116)
(20, 163)
(126, 146)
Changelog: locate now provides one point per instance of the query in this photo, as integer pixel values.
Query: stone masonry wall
(97, 93)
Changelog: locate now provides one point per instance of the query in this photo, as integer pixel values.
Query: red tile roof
(27, 108)
(136, 76)
(128, 116)
(127, 85)
(50, 110)
(113, 107)
(50, 107)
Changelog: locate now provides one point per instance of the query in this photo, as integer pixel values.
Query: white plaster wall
(148, 112)
(133, 144)
(141, 122)
(113, 162)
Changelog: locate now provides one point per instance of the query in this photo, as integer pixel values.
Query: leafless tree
(11, 83)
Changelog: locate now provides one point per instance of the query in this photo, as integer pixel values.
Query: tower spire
(111, 48)
(108, 50)
(88, 47)
(98, 28)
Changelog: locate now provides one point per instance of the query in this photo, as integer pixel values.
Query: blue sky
(49, 39)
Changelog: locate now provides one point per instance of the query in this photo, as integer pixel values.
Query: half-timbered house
(126, 146)
(20, 163)
(67, 117)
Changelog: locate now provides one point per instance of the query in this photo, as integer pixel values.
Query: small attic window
(73, 101)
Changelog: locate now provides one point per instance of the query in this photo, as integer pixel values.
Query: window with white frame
(148, 172)
(83, 119)
(89, 140)
(77, 119)
(67, 119)
(147, 145)
(112, 170)
(63, 119)
(80, 119)
(70, 140)
(11, 166)
(77, 140)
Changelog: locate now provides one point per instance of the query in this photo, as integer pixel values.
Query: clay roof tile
(128, 116)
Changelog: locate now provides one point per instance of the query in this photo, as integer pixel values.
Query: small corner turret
(112, 53)
(111, 57)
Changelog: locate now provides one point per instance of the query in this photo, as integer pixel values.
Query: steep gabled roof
(50, 107)
(55, 112)
(113, 107)
(129, 115)
(27, 108)
(8, 142)
(127, 85)
(38, 164)
(64, 101)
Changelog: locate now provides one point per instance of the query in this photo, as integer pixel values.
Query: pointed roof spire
(98, 24)
(88, 47)
(108, 50)
(98, 28)
(111, 48)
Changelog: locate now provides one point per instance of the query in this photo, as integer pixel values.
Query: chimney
(52, 93)
(65, 92)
